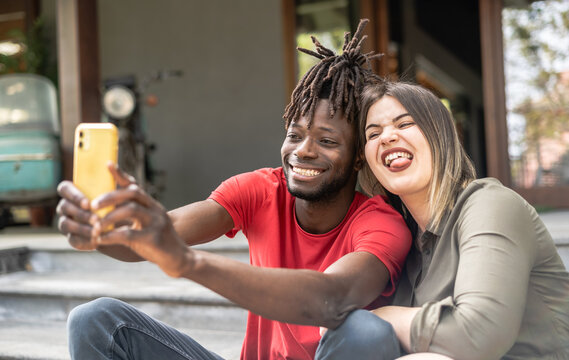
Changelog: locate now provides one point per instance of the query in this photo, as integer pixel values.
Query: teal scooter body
(30, 155)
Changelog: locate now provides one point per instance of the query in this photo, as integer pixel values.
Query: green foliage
(536, 39)
(531, 33)
(34, 58)
(333, 40)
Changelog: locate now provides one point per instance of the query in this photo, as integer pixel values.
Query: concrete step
(50, 296)
(63, 258)
(563, 250)
(33, 340)
(557, 222)
(14, 259)
(34, 304)
(47, 340)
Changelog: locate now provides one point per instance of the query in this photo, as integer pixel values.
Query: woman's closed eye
(372, 135)
(405, 124)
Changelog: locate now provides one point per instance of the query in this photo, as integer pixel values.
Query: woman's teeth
(396, 155)
(305, 172)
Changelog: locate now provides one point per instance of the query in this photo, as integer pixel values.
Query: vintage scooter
(30, 156)
(123, 100)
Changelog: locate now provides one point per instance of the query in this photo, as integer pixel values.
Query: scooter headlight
(119, 102)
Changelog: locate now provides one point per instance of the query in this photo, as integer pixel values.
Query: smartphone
(96, 144)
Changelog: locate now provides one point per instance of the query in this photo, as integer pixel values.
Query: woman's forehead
(386, 109)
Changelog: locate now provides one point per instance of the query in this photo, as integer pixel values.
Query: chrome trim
(25, 157)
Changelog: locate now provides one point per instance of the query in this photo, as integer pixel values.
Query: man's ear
(360, 160)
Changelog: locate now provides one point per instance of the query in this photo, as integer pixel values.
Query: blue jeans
(362, 335)
(111, 329)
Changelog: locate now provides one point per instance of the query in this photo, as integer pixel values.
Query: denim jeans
(362, 335)
(107, 328)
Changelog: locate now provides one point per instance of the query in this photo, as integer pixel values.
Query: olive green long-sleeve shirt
(489, 281)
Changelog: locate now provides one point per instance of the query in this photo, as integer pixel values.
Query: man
(319, 249)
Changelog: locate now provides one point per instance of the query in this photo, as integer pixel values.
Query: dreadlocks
(339, 78)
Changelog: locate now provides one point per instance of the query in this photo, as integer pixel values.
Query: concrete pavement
(34, 304)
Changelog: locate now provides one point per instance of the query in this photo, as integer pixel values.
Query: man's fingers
(120, 236)
(80, 243)
(67, 190)
(118, 197)
(123, 179)
(131, 212)
(70, 210)
(78, 235)
(69, 226)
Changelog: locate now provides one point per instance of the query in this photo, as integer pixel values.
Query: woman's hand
(400, 318)
(424, 356)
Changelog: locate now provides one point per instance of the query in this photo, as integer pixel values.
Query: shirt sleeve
(243, 194)
(496, 242)
(380, 230)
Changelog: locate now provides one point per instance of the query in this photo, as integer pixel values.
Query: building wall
(224, 116)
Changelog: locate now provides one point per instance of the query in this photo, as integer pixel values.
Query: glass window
(327, 20)
(536, 62)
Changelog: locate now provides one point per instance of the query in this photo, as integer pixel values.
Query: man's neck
(319, 217)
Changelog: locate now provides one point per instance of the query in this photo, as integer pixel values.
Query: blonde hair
(452, 168)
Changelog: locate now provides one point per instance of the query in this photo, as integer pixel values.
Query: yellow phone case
(95, 145)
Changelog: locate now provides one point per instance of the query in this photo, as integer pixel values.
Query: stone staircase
(557, 223)
(53, 278)
(35, 302)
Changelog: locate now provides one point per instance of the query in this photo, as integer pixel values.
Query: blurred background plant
(536, 51)
(28, 52)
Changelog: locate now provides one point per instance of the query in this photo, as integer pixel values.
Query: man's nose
(306, 149)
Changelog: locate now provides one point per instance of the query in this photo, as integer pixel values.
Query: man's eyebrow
(327, 129)
(393, 120)
(321, 128)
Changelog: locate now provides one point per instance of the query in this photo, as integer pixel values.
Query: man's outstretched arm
(298, 296)
(295, 296)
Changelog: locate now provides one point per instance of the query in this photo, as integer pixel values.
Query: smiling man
(319, 249)
(319, 168)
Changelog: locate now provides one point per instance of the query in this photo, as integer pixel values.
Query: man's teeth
(305, 172)
(396, 155)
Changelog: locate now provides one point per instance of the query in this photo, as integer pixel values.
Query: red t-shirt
(263, 209)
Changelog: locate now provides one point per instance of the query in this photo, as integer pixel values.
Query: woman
(483, 279)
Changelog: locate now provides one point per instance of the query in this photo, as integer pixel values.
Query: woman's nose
(388, 136)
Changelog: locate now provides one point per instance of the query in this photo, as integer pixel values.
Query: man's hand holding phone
(76, 217)
(141, 224)
(125, 222)
(95, 146)
(140, 228)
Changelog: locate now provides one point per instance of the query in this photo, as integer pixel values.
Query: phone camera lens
(80, 144)
(80, 133)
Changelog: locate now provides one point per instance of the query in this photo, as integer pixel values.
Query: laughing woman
(483, 279)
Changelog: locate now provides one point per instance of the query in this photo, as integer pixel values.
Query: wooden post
(493, 83)
(289, 46)
(78, 49)
(377, 12)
